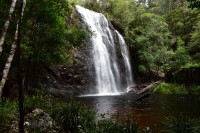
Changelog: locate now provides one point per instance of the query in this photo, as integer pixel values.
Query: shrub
(194, 89)
(168, 88)
(75, 117)
(182, 124)
(8, 112)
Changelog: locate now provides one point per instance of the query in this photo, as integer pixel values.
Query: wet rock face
(73, 80)
(77, 76)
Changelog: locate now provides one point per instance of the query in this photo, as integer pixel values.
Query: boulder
(36, 121)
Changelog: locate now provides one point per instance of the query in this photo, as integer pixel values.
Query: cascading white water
(107, 72)
(125, 54)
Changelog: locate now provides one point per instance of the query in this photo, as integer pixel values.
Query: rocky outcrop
(74, 79)
(36, 121)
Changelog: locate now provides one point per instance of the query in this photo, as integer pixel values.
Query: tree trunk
(19, 77)
(8, 63)
(5, 28)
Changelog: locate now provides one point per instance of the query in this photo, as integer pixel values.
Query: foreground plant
(8, 112)
(106, 126)
(182, 124)
(75, 117)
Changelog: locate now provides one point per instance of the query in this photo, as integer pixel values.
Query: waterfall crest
(108, 78)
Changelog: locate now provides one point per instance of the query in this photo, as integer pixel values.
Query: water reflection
(149, 112)
(104, 107)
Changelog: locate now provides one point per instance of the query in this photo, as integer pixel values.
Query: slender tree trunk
(5, 28)
(9, 60)
(8, 63)
(19, 77)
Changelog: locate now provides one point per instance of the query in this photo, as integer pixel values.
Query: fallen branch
(148, 87)
(138, 90)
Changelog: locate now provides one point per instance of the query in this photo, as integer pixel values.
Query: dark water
(150, 112)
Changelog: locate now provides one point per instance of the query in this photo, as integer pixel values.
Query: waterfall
(125, 54)
(108, 78)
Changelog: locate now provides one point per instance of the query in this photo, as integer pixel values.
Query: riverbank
(161, 87)
(47, 113)
(170, 88)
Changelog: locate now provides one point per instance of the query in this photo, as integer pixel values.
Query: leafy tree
(194, 45)
(194, 4)
(179, 57)
(165, 6)
(49, 34)
(181, 22)
(122, 12)
(149, 34)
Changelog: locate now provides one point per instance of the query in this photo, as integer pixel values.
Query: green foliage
(8, 112)
(194, 4)
(181, 22)
(181, 124)
(75, 117)
(194, 89)
(118, 11)
(179, 57)
(191, 65)
(122, 12)
(50, 31)
(150, 36)
(98, 5)
(44, 30)
(35, 101)
(169, 88)
(194, 46)
(72, 116)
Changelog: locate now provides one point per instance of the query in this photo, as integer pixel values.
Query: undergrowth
(169, 88)
(70, 116)
(172, 88)
(181, 124)
(8, 112)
